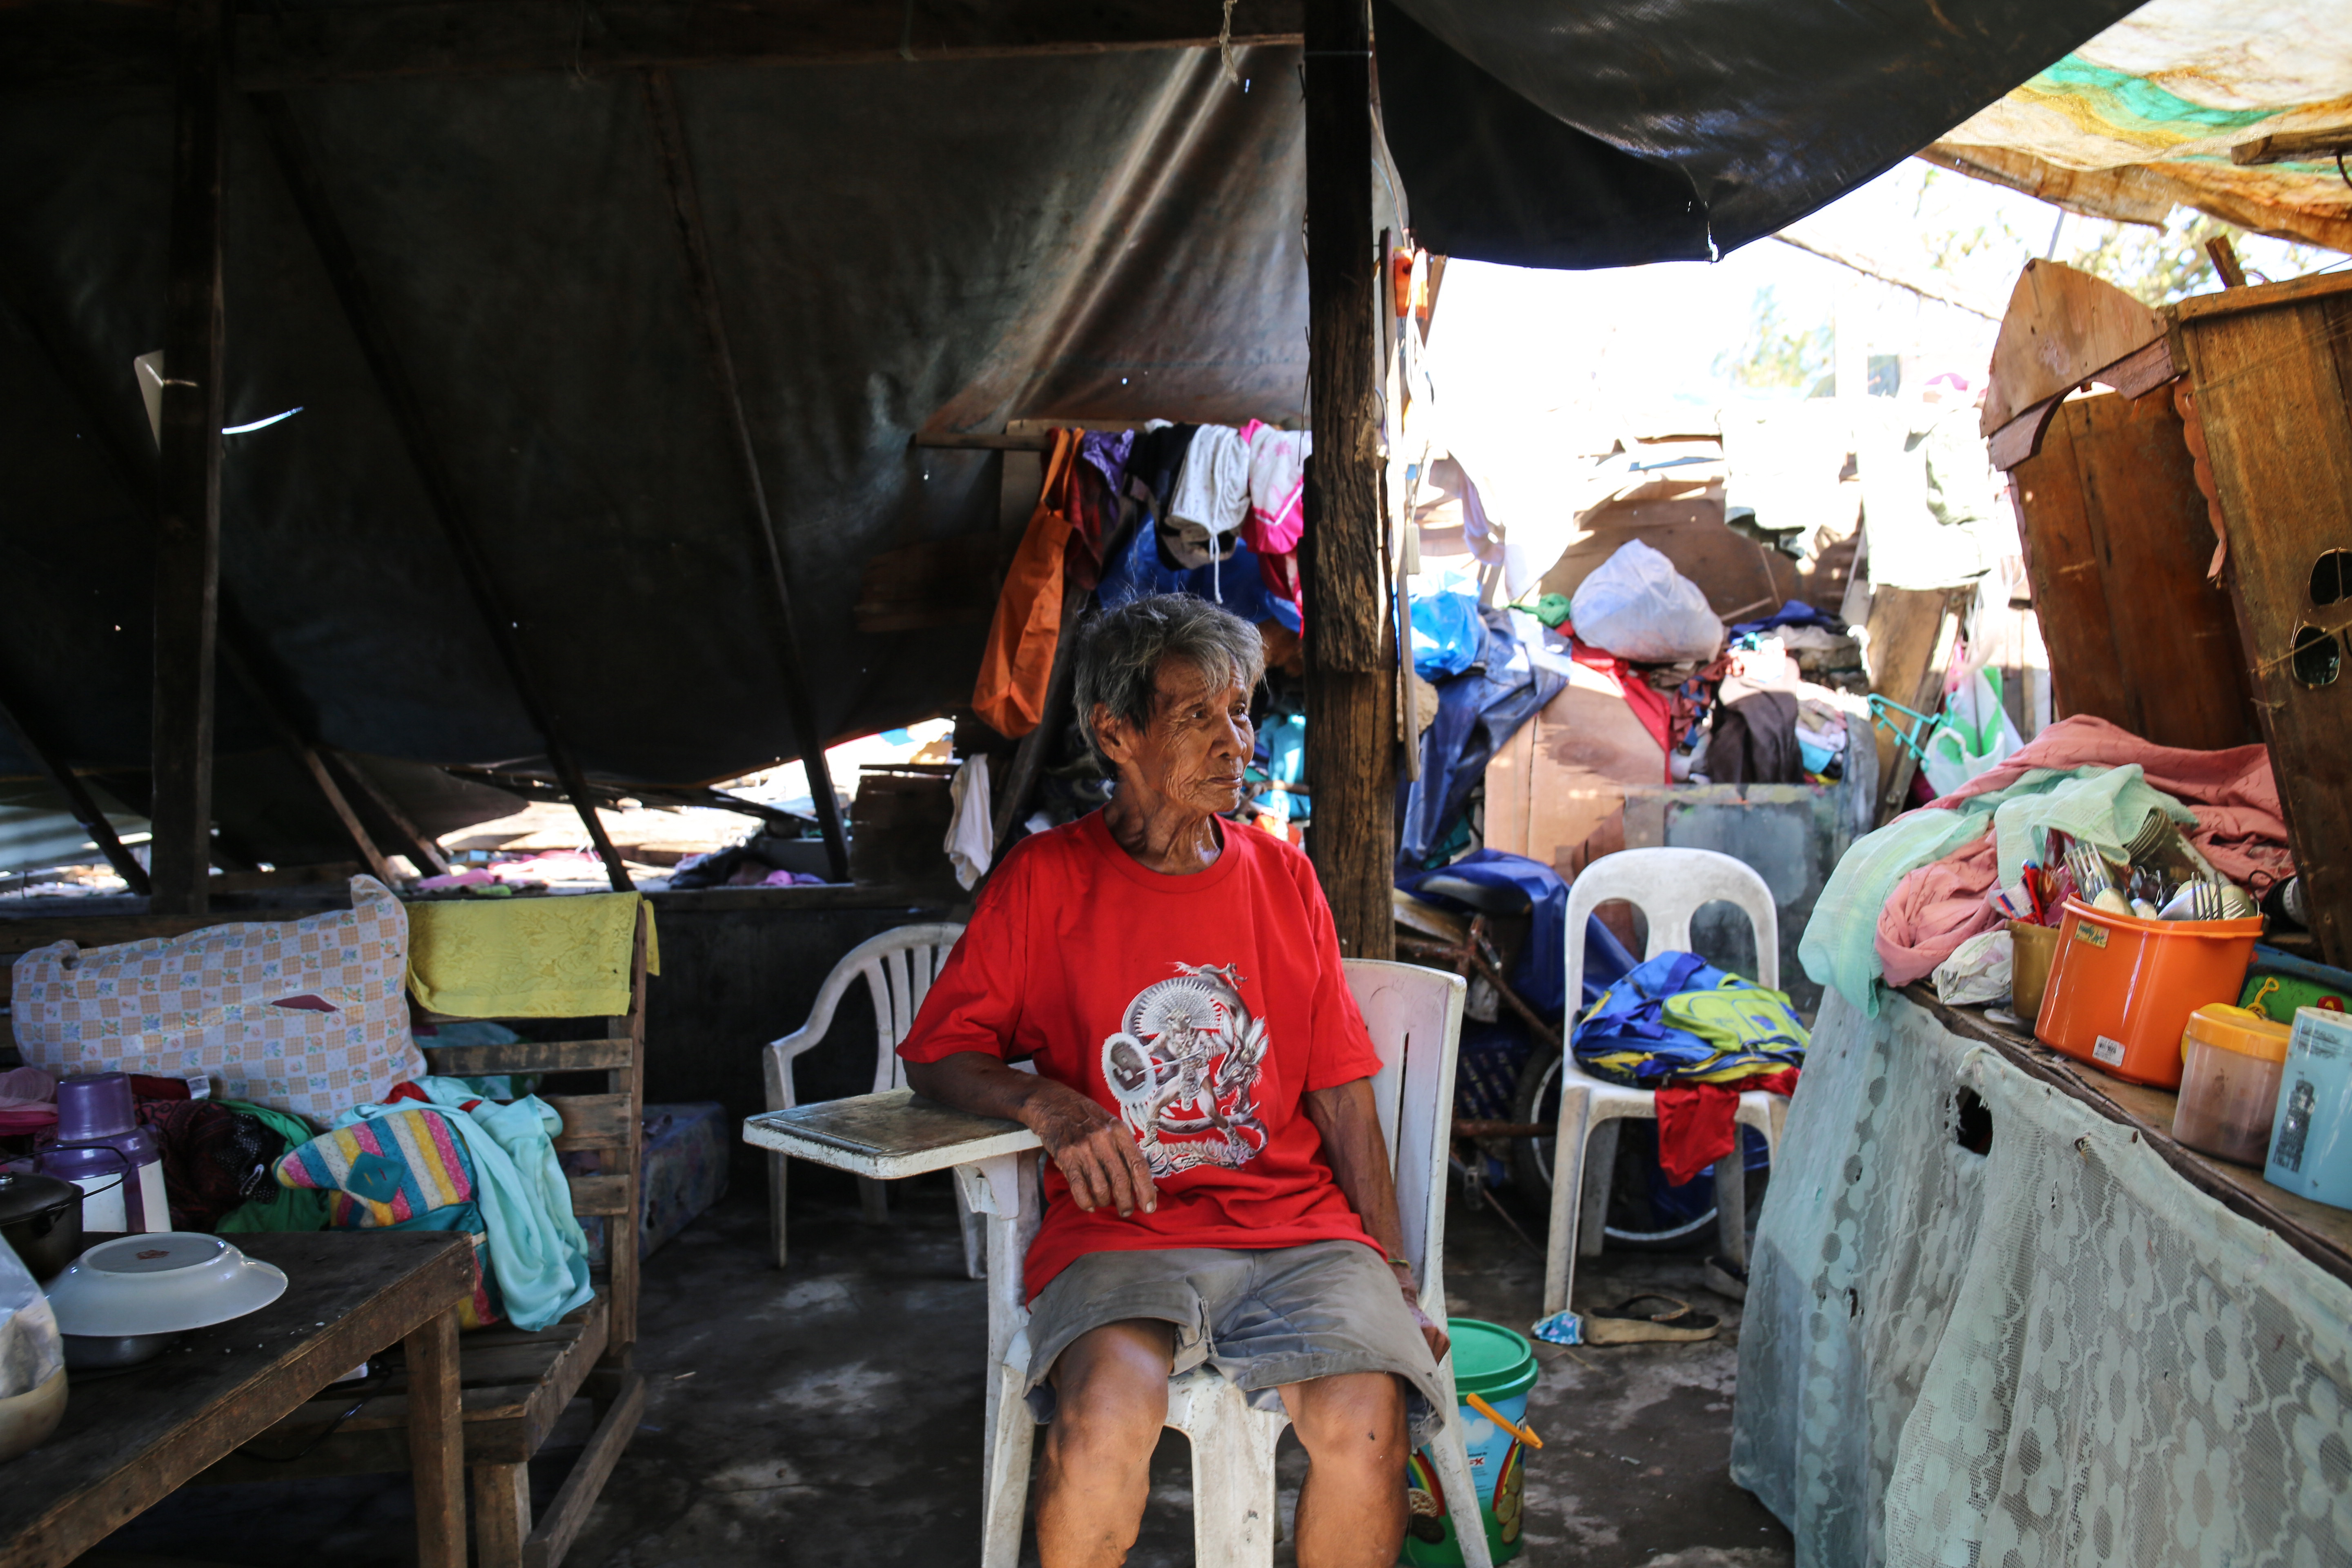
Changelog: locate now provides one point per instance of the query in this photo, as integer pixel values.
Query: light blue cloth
(2104, 806)
(537, 1251)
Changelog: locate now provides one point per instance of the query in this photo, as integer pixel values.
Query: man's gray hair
(1120, 654)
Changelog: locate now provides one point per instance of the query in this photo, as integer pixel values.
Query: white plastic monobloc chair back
(897, 967)
(1669, 886)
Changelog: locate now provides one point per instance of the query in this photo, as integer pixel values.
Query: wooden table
(2320, 1232)
(130, 1440)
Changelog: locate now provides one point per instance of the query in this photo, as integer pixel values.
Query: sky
(1632, 343)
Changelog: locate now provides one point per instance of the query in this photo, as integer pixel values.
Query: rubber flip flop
(1627, 1324)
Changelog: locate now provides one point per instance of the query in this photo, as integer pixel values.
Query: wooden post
(1351, 749)
(187, 543)
(309, 189)
(686, 210)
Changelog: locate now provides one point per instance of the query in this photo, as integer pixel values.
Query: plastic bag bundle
(1975, 734)
(1637, 606)
(30, 1350)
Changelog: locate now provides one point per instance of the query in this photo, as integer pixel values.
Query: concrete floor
(831, 1413)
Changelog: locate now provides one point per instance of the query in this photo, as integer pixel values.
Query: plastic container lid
(1489, 1360)
(2240, 1029)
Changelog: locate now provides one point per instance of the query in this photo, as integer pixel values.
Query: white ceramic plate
(160, 1283)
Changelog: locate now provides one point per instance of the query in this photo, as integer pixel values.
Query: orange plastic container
(2121, 989)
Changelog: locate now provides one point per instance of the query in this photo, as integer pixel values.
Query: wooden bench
(513, 1386)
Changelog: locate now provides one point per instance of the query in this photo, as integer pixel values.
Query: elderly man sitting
(1218, 1190)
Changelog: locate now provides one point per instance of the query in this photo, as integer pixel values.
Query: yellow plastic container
(2231, 1061)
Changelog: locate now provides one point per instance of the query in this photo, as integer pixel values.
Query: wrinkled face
(1192, 753)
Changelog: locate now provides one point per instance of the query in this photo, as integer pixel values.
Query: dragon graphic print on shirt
(1185, 1067)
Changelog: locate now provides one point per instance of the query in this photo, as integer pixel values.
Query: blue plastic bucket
(1499, 1366)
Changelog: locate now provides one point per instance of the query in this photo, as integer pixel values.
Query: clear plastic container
(2232, 1062)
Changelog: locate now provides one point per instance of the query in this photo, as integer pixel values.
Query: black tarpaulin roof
(941, 244)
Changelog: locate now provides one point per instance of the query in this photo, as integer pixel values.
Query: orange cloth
(1019, 657)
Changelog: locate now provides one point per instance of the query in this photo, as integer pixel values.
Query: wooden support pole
(298, 747)
(1351, 747)
(78, 796)
(188, 543)
(309, 189)
(412, 841)
(702, 279)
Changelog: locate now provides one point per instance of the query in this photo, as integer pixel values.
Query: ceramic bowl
(161, 1282)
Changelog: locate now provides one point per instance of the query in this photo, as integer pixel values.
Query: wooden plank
(1349, 646)
(502, 1513)
(420, 846)
(1003, 441)
(630, 1080)
(187, 539)
(2258, 296)
(522, 1055)
(2320, 147)
(594, 1120)
(568, 1511)
(606, 1195)
(307, 187)
(702, 284)
(1903, 628)
(2116, 541)
(126, 1443)
(2271, 387)
(78, 799)
(436, 1449)
(2062, 328)
(55, 45)
(305, 755)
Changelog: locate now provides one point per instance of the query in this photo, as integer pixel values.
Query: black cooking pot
(41, 1218)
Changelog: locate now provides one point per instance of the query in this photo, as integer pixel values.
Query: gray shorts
(1287, 1314)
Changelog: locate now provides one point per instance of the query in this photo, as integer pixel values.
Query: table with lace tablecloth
(2082, 1344)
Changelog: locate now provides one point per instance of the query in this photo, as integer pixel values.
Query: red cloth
(1654, 707)
(1226, 982)
(2240, 828)
(1694, 1120)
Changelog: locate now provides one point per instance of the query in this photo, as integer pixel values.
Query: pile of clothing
(1699, 1037)
(1903, 898)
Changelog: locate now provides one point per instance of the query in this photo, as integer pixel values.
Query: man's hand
(1435, 1334)
(1097, 1155)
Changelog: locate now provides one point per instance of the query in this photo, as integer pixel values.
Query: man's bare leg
(1111, 1392)
(1351, 1511)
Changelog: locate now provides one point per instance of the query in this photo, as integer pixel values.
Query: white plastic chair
(897, 967)
(1414, 1016)
(1668, 886)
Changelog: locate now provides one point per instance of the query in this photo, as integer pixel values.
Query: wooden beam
(1351, 744)
(78, 796)
(2324, 145)
(188, 543)
(420, 846)
(74, 44)
(702, 280)
(307, 757)
(309, 190)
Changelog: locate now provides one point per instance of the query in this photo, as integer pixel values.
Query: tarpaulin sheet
(1117, 236)
(2144, 116)
(1605, 135)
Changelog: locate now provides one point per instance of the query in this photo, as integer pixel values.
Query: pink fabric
(2240, 828)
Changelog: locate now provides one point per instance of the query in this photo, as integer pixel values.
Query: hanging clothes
(1277, 518)
(1477, 711)
(1143, 567)
(971, 835)
(1018, 657)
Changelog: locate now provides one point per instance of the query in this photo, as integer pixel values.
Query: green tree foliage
(1775, 356)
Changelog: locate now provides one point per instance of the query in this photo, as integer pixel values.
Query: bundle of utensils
(2161, 876)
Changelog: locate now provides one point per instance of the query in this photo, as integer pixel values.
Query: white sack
(1637, 606)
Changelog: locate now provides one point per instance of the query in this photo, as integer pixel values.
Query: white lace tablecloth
(2056, 1353)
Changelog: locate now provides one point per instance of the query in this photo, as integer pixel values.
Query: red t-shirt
(1196, 1008)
